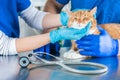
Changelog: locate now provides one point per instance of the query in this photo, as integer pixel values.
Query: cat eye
(85, 15)
(75, 18)
(84, 19)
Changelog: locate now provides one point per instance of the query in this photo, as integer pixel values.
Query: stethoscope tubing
(64, 64)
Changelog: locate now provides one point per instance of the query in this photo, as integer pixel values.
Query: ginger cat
(80, 19)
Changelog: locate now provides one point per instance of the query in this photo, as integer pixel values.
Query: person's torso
(9, 15)
(9, 18)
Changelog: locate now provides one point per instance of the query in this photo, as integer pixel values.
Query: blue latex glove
(98, 45)
(68, 33)
(64, 17)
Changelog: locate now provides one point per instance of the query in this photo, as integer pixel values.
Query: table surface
(10, 70)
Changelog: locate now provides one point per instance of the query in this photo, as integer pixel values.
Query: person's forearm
(12, 46)
(31, 43)
(51, 21)
(52, 6)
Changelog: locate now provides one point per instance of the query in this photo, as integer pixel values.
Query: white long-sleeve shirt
(7, 45)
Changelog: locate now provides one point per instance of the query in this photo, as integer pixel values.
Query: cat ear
(68, 12)
(93, 11)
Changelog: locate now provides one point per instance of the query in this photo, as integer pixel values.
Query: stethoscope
(38, 59)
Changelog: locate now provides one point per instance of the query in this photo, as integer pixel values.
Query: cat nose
(79, 21)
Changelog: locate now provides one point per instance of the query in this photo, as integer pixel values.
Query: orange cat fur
(84, 16)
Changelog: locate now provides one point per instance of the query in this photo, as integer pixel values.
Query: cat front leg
(73, 53)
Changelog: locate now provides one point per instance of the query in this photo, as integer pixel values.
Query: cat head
(80, 18)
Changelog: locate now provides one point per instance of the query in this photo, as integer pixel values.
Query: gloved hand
(68, 33)
(98, 45)
(64, 17)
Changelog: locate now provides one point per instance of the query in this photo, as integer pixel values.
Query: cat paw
(71, 54)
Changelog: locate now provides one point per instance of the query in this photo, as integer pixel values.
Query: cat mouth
(78, 25)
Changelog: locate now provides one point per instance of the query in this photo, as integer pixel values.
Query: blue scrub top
(9, 10)
(108, 11)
